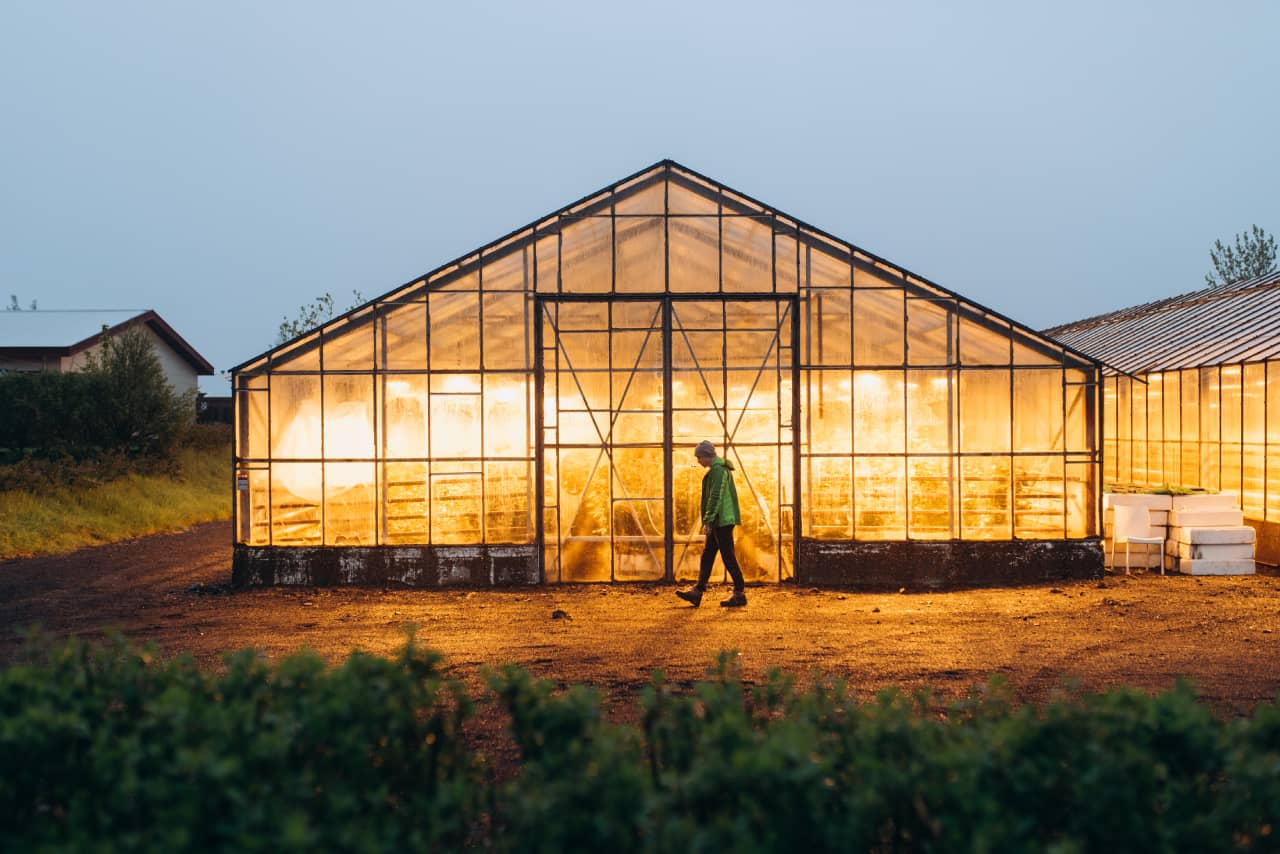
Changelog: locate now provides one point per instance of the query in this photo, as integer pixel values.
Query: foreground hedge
(109, 748)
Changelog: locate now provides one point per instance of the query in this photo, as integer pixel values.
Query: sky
(226, 163)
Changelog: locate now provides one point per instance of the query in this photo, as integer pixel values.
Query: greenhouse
(527, 414)
(1194, 400)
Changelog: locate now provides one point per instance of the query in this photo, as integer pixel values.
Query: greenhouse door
(627, 388)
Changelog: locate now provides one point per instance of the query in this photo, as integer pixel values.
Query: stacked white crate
(1141, 556)
(1208, 536)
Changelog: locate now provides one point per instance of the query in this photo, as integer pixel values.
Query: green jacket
(719, 496)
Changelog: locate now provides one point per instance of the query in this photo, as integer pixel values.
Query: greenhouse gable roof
(631, 191)
(1237, 322)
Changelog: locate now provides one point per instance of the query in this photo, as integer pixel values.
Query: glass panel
(984, 411)
(647, 200)
(348, 417)
(1252, 480)
(350, 516)
(1080, 493)
(929, 333)
(829, 421)
(404, 337)
(509, 273)
(681, 200)
(1155, 429)
(929, 412)
(695, 254)
(1254, 394)
(296, 490)
(642, 255)
(407, 511)
(508, 341)
(1141, 471)
(753, 406)
(1190, 421)
(585, 517)
(508, 502)
(350, 346)
(295, 417)
(1077, 421)
(785, 262)
(1273, 442)
(828, 492)
(586, 255)
(984, 498)
(455, 331)
(868, 274)
(455, 505)
(303, 356)
(1037, 410)
(506, 415)
(1027, 352)
(879, 488)
(1124, 431)
(251, 420)
(637, 350)
(930, 488)
(455, 425)
(980, 345)
(748, 255)
(828, 328)
(756, 539)
(547, 251)
(878, 327)
(253, 510)
(639, 549)
(405, 416)
(1038, 498)
(879, 412)
(825, 270)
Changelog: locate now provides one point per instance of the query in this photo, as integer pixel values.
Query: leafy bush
(120, 403)
(112, 748)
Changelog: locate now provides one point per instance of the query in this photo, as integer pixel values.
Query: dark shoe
(693, 596)
(737, 600)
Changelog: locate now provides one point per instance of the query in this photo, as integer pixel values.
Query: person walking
(719, 514)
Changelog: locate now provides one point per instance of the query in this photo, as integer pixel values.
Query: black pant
(720, 540)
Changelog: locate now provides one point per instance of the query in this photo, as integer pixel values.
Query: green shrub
(110, 748)
(120, 403)
(113, 748)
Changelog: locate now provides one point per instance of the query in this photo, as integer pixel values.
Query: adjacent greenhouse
(1194, 400)
(527, 414)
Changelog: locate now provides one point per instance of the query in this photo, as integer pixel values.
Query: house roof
(65, 333)
(667, 170)
(1238, 322)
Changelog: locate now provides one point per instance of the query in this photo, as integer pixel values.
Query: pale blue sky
(226, 162)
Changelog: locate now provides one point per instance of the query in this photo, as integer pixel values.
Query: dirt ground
(1145, 630)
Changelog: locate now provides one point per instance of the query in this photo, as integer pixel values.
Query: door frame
(667, 300)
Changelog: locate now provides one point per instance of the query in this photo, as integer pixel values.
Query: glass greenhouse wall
(1215, 428)
(528, 413)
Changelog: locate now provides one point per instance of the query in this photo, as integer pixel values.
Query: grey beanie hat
(704, 449)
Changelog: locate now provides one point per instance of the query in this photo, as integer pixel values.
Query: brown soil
(1145, 630)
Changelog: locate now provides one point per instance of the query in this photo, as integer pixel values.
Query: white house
(63, 340)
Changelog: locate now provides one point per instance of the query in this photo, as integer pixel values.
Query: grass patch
(61, 517)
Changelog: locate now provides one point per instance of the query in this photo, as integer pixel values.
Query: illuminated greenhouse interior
(1216, 428)
(547, 392)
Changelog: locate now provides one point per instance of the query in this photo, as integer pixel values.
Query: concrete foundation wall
(915, 565)
(941, 565)
(403, 566)
(1267, 546)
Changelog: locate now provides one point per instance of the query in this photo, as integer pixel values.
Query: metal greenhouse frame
(526, 414)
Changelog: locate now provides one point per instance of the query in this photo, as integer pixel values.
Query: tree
(14, 305)
(142, 414)
(312, 315)
(1254, 254)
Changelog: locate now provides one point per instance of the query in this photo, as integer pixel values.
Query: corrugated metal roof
(57, 328)
(1239, 322)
